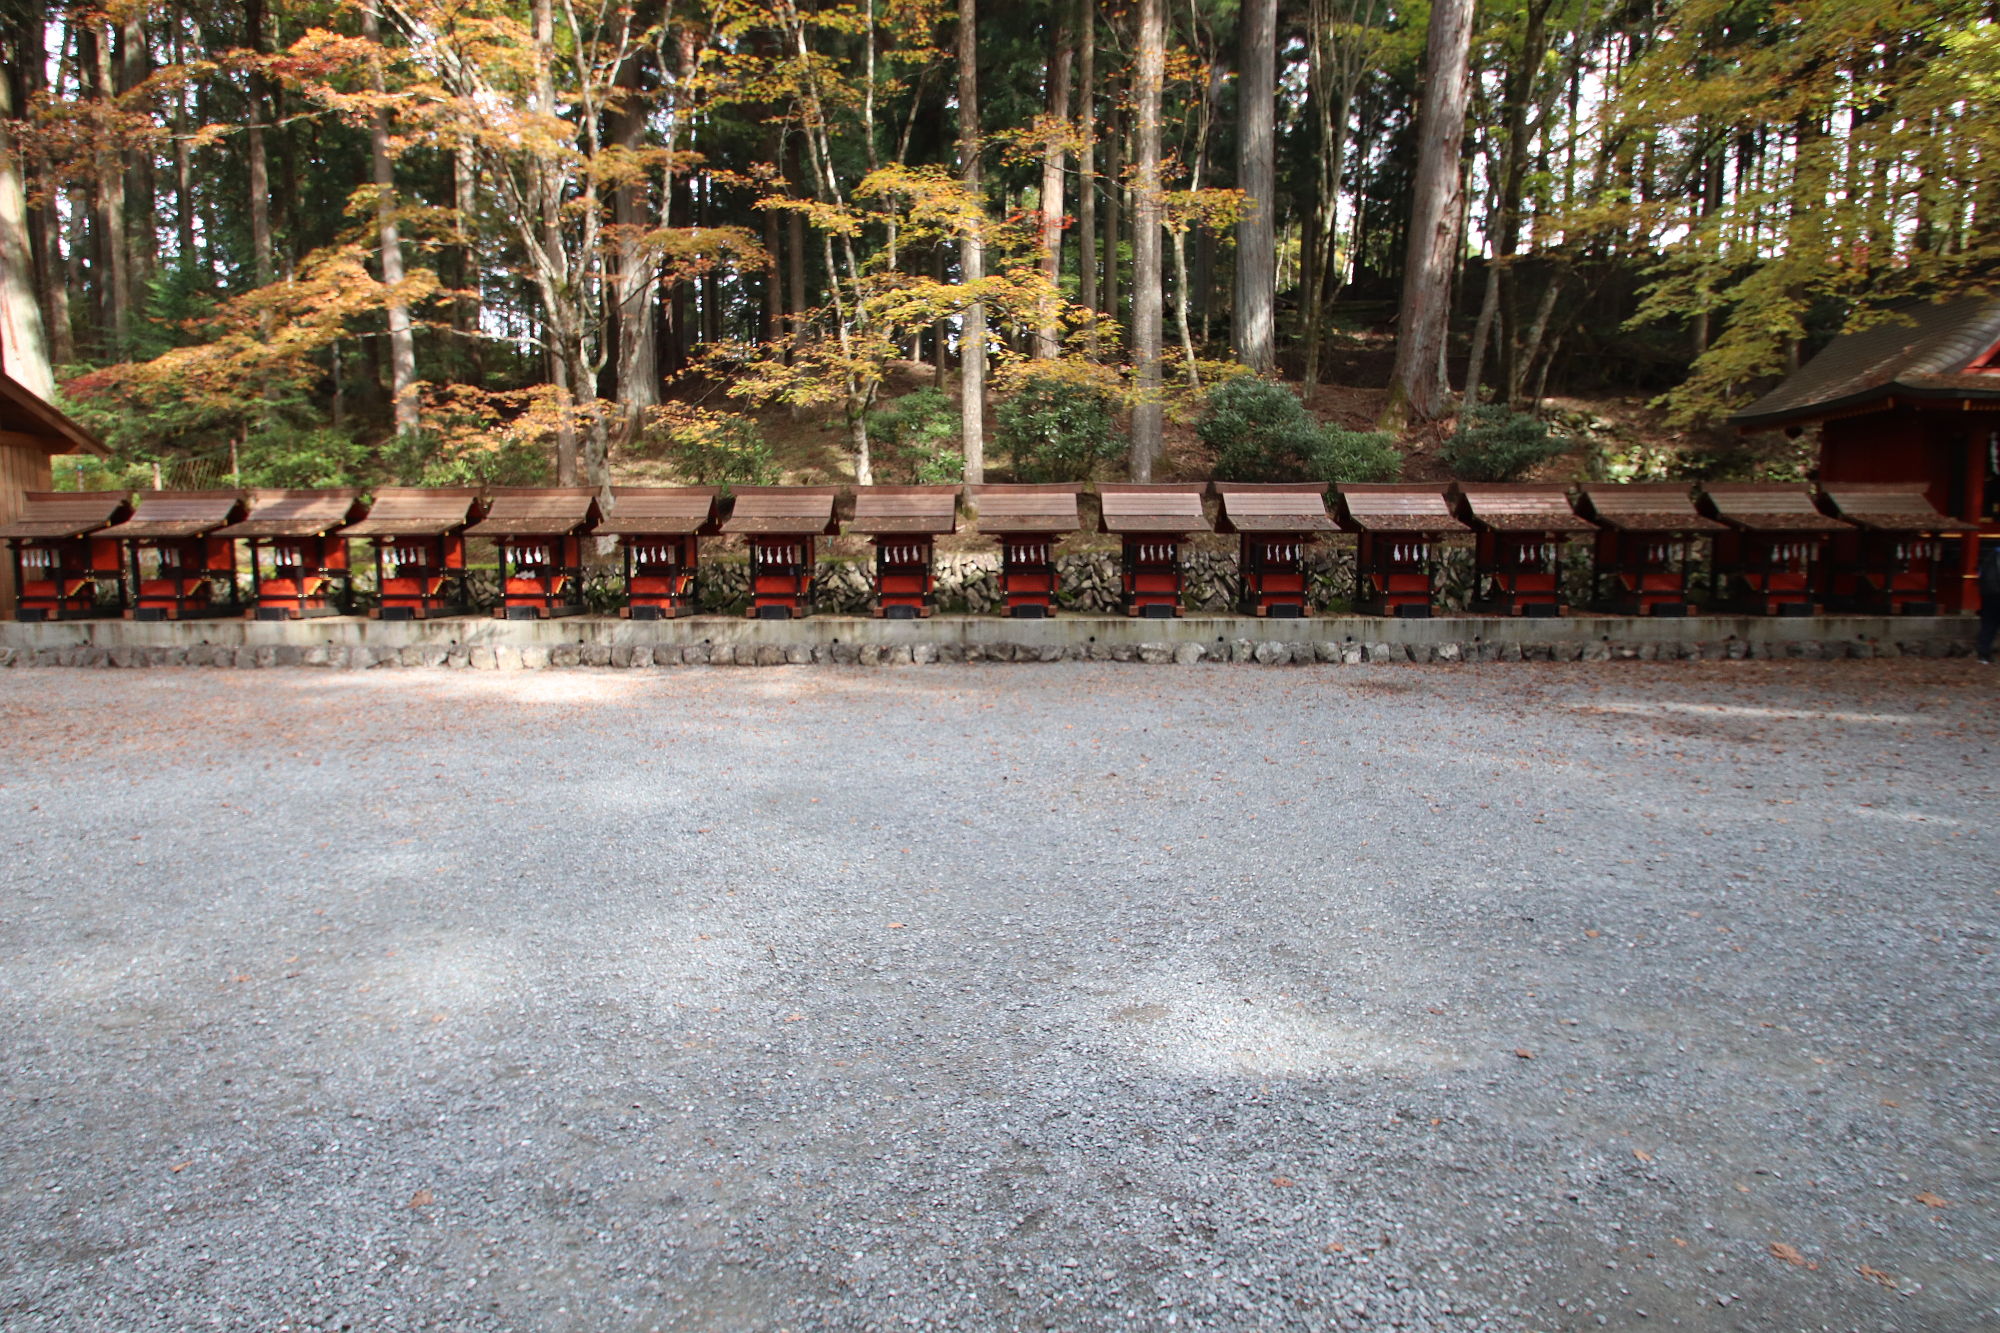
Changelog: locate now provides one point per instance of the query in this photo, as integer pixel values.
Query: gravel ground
(1091, 997)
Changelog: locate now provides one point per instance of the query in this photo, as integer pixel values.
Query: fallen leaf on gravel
(895, 925)
(179, 1167)
(1877, 1275)
(1642, 1154)
(1591, 933)
(1335, 1247)
(1930, 1200)
(794, 1018)
(1283, 1182)
(422, 1199)
(1780, 1250)
(1524, 1053)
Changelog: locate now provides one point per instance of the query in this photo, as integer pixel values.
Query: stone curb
(646, 657)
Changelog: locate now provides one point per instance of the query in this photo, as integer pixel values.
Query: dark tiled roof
(783, 510)
(1767, 507)
(660, 511)
(53, 515)
(1890, 507)
(1135, 509)
(417, 511)
(168, 514)
(295, 513)
(1922, 349)
(537, 511)
(895, 510)
(1519, 507)
(1273, 507)
(1413, 508)
(1643, 506)
(1027, 508)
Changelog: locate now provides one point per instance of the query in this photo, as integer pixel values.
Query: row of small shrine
(1777, 549)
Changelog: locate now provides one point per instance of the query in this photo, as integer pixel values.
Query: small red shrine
(298, 567)
(1646, 536)
(781, 525)
(1521, 531)
(1397, 527)
(1151, 522)
(178, 566)
(1276, 523)
(1768, 559)
(659, 530)
(418, 535)
(904, 523)
(1913, 399)
(1893, 556)
(1029, 521)
(538, 534)
(62, 569)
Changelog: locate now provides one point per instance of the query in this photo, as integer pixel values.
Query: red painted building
(1913, 399)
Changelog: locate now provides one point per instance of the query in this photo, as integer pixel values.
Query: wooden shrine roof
(899, 510)
(1030, 509)
(1756, 506)
(275, 513)
(1395, 507)
(1134, 509)
(418, 511)
(54, 515)
(661, 511)
(1285, 506)
(537, 511)
(783, 510)
(169, 514)
(1927, 350)
(1891, 507)
(1643, 506)
(1519, 506)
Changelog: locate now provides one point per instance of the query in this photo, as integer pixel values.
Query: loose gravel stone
(1070, 996)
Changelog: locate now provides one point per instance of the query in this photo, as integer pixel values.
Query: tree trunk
(184, 242)
(638, 367)
(27, 352)
(1086, 171)
(1417, 386)
(468, 310)
(114, 271)
(142, 241)
(972, 253)
(260, 172)
(1114, 202)
(1256, 176)
(1148, 414)
(557, 333)
(51, 271)
(402, 341)
(1048, 333)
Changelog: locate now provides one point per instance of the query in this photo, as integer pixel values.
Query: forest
(318, 242)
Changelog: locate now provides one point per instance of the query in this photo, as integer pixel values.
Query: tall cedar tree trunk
(1148, 414)
(1418, 386)
(972, 253)
(112, 260)
(638, 376)
(51, 270)
(184, 233)
(142, 237)
(467, 311)
(1086, 170)
(402, 341)
(556, 334)
(1048, 334)
(1257, 177)
(1114, 201)
(260, 171)
(26, 350)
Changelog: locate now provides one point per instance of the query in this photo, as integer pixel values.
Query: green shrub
(1056, 427)
(720, 450)
(915, 439)
(1260, 431)
(284, 455)
(424, 458)
(1495, 443)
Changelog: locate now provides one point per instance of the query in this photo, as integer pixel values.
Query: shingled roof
(1272, 507)
(1922, 351)
(1027, 508)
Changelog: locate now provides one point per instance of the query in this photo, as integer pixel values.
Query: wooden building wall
(22, 469)
(1945, 448)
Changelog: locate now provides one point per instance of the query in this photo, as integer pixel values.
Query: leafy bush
(718, 449)
(915, 439)
(286, 455)
(1260, 431)
(1495, 443)
(1058, 427)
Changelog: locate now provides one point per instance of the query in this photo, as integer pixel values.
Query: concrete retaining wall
(606, 641)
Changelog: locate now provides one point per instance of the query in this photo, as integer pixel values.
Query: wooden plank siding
(22, 469)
